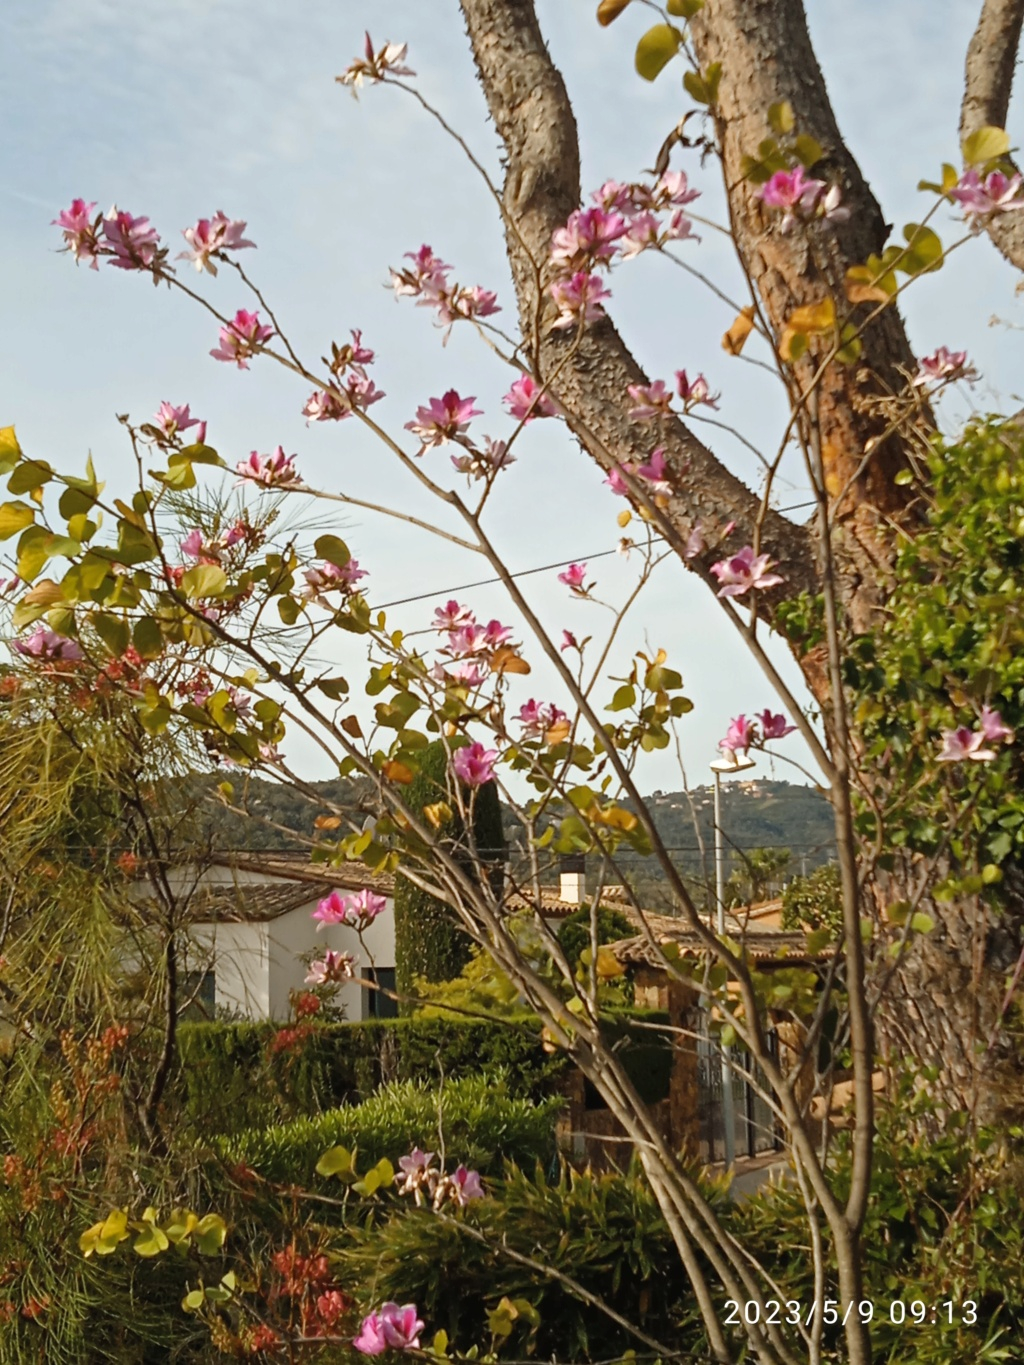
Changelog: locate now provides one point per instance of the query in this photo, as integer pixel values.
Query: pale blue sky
(179, 109)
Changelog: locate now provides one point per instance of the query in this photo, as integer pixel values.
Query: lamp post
(733, 764)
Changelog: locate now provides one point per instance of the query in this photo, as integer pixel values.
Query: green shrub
(574, 931)
(483, 1125)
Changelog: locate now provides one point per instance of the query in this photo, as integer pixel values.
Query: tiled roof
(296, 867)
(253, 901)
(759, 942)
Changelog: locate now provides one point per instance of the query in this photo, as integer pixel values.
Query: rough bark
(988, 82)
(766, 56)
(531, 110)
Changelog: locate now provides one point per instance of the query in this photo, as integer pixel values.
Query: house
(251, 936)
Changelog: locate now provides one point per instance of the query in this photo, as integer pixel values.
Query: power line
(525, 573)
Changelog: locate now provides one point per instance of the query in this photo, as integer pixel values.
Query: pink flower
(426, 281)
(79, 229)
(944, 364)
(330, 577)
(574, 577)
(651, 400)
(475, 302)
(270, 471)
(322, 406)
(538, 717)
(49, 647)
(172, 421)
(617, 483)
(467, 639)
(992, 725)
(996, 193)
(697, 392)
(589, 235)
(963, 744)
(694, 543)
(333, 909)
(443, 419)
(743, 572)
(474, 765)
(211, 236)
(401, 1326)
(371, 1340)
(241, 338)
(496, 635)
(415, 1162)
(481, 464)
(673, 188)
(451, 616)
(464, 672)
(525, 400)
(613, 194)
(774, 727)
(655, 472)
(362, 392)
(332, 967)
(133, 241)
(579, 299)
(739, 736)
(643, 232)
(194, 546)
(364, 907)
(375, 66)
(802, 198)
(465, 1185)
(569, 641)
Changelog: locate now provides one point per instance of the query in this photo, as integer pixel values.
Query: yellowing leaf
(609, 10)
(397, 772)
(813, 317)
(14, 517)
(352, 727)
(655, 50)
(46, 593)
(558, 732)
(327, 822)
(624, 518)
(608, 966)
(506, 660)
(863, 286)
(204, 580)
(10, 450)
(781, 118)
(684, 9)
(736, 337)
(985, 144)
(438, 813)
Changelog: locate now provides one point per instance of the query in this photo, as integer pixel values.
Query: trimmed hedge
(483, 1124)
(229, 1078)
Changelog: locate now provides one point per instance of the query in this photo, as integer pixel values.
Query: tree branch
(988, 81)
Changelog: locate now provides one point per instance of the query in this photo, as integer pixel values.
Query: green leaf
(147, 637)
(29, 475)
(609, 10)
(624, 698)
(193, 1300)
(113, 631)
(922, 923)
(985, 144)
(288, 609)
(10, 450)
(807, 150)
(332, 549)
(684, 9)
(14, 517)
(204, 580)
(210, 1233)
(655, 50)
(335, 688)
(150, 1241)
(336, 1161)
(781, 118)
(32, 552)
(196, 454)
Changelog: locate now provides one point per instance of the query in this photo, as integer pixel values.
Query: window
(377, 1004)
(198, 997)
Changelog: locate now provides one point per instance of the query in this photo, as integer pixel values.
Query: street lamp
(732, 764)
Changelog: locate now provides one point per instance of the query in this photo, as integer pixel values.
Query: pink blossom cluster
(331, 969)
(575, 579)
(744, 570)
(443, 419)
(484, 463)
(195, 546)
(358, 911)
(270, 471)
(944, 366)
(623, 222)
(374, 65)
(426, 281)
(469, 646)
(240, 340)
(743, 733)
(526, 400)
(474, 765)
(170, 421)
(427, 1183)
(802, 198)
(983, 197)
(655, 399)
(127, 242)
(355, 390)
(654, 473)
(538, 718)
(332, 578)
(210, 238)
(46, 646)
(966, 745)
(391, 1327)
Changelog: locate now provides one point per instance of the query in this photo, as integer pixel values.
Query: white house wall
(240, 957)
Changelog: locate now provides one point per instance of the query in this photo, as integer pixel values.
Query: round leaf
(655, 50)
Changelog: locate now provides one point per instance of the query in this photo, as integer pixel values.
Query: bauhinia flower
(442, 419)
(426, 280)
(802, 198)
(474, 765)
(392, 1326)
(133, 241)
(80, 231)
(569, 641)
(673, 188)
(417, 1174)
(463, 672)
(172, 421)
(992, 725)
(332, 967)
(357, 911)
(241, 339)
(699, 391)
(655, 473)
(526, 400)
(944, 365)
(332, 577)
(451, 616)
(739, 737)
(982, 197)
(650, 400)
(465, 1185)
(375, 65)
(270, 471)
(579, 299)
(47, 646)
(539, 717)
(774, 727)
(589, 236)
(962, 745)
(743, 571)
(481, 464)
(210, 236)
(574, 577)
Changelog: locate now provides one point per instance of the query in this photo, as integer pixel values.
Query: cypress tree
(428, 939)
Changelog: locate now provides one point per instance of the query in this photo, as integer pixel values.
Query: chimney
(572, 883)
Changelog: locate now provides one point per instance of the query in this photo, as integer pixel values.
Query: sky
(179, 109)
